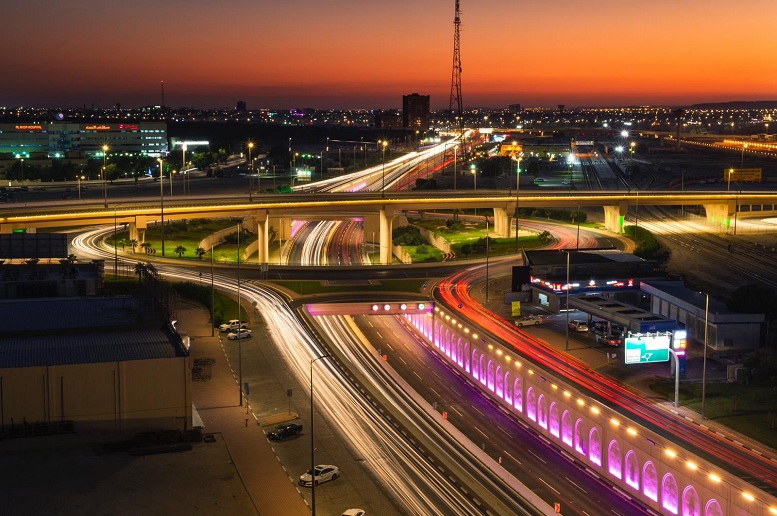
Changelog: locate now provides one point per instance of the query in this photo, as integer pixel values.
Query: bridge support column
(614, 216)
(386, 227)
(720, 215)
(262, 237)
(137, 230)
(502, 223)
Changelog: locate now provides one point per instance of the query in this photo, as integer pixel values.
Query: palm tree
(123, 243)
(145, 246)
(179, 250)
(133, 243)
(200, 252)
(141, 271)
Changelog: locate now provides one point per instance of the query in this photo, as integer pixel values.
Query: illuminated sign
(646, 348)
(97, 128)
(29, 127)
(128, 127)
(742, 174)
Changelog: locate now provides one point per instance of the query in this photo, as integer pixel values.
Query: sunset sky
(367, 54)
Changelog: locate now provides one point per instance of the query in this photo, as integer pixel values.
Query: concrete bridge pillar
(386, 227)
(502, 223)
(262, 237)
(614, 216)
(720, 214)
(137, 230)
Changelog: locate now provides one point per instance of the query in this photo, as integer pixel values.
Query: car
(578, 325)
(539, 180)
(354, 512)
(566, 182)
(242, 333)
(323, 473)
(232, 324)
(610, 339)
(529, 320)
(285, 430)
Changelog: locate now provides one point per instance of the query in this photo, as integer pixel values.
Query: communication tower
(455, 102)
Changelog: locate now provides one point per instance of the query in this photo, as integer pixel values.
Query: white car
(232, 324)
(354, 512)
(578, 325)
(529, 320)
(324, 473)
(242, 333)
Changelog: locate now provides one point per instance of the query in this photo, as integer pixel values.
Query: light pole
(312, 442)
(517, 200)
(474, 175)
(728, 182)
(250, 172)
(22, 168)
(704, 362)
(212, 295)
(162, 203)
(183, 166)
(239, 339)
(384, 143)
(79, 178)
(455, 162)
(487, 258)
(566, 347)
(105, 185)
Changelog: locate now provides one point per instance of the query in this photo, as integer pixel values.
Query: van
(578, 325)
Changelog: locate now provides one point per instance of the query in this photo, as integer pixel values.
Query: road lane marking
(549, 486)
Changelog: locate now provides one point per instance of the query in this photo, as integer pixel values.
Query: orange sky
(367, 54)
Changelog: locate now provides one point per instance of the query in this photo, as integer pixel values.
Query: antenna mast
(163, 92)
(455, 102)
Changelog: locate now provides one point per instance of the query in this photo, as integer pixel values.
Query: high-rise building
(415, 111)
(241, 106)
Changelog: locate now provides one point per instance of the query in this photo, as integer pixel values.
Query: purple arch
(632, 469)
(669, 494)
(566, 428)
(531, 404)
(691, 502)
(499, 382)
(518, 394)
(713, 508)
(508, 390)
(650, 481)
(554, 422)
(595, 446)
(542, 411)
(467, 360)
(490, 383)
(614, 458)
(580, 444)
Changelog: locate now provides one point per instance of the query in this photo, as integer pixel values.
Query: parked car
(242, 333)
(232, 324)
(529, 320)
(610, 339)
(354, 512)
(323, 473)
(578, 325)
(285, 430)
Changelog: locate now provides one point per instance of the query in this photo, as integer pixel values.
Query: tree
(145, 246)
(123, 243)
(179, 250)
(145, 271)
(200, 252)
(133, 243)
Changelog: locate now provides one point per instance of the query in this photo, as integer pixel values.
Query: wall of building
(131, 395)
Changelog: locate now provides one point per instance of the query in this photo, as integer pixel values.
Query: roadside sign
(516, 308)
(646, 348)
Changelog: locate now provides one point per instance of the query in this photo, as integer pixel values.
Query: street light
(250, 171)
(384, 143)
(312, 442)
(487, 258)
(704, 362)
(517, 199)
(239, 339)
(79, 178)
(105, 185)
(161, 203)
(22, 168)
(474, 175)
(183, 166)
(455, 162)
(566, 347)
(742, 161)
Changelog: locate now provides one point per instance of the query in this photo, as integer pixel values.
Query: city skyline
(345, 54)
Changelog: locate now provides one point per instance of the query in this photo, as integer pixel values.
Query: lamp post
(455, 162)
(105, 185)
(162, 202)
(239, 339)
(212, 295)
(312, 442)
(704, 361)
(728, 181)
(183, 166)
(115, 245)
(474, 175)
(21, 166)
(79, 178)
(250, 172)
(384, 143)
(566, 347)
(517, 200)
(487, 258)
(742, 160)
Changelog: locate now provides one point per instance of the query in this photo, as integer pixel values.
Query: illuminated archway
(691, 502)
(508, 390)
(531, 404)
(554, 421)
(650, 481)
(595, 446)
(669, 493)
(542, 411)
(580, 444)
(566, 428)
(499, 382)
(466, 355)
(518, 394)
(713, 509)
(632, 469)
(614, 459)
